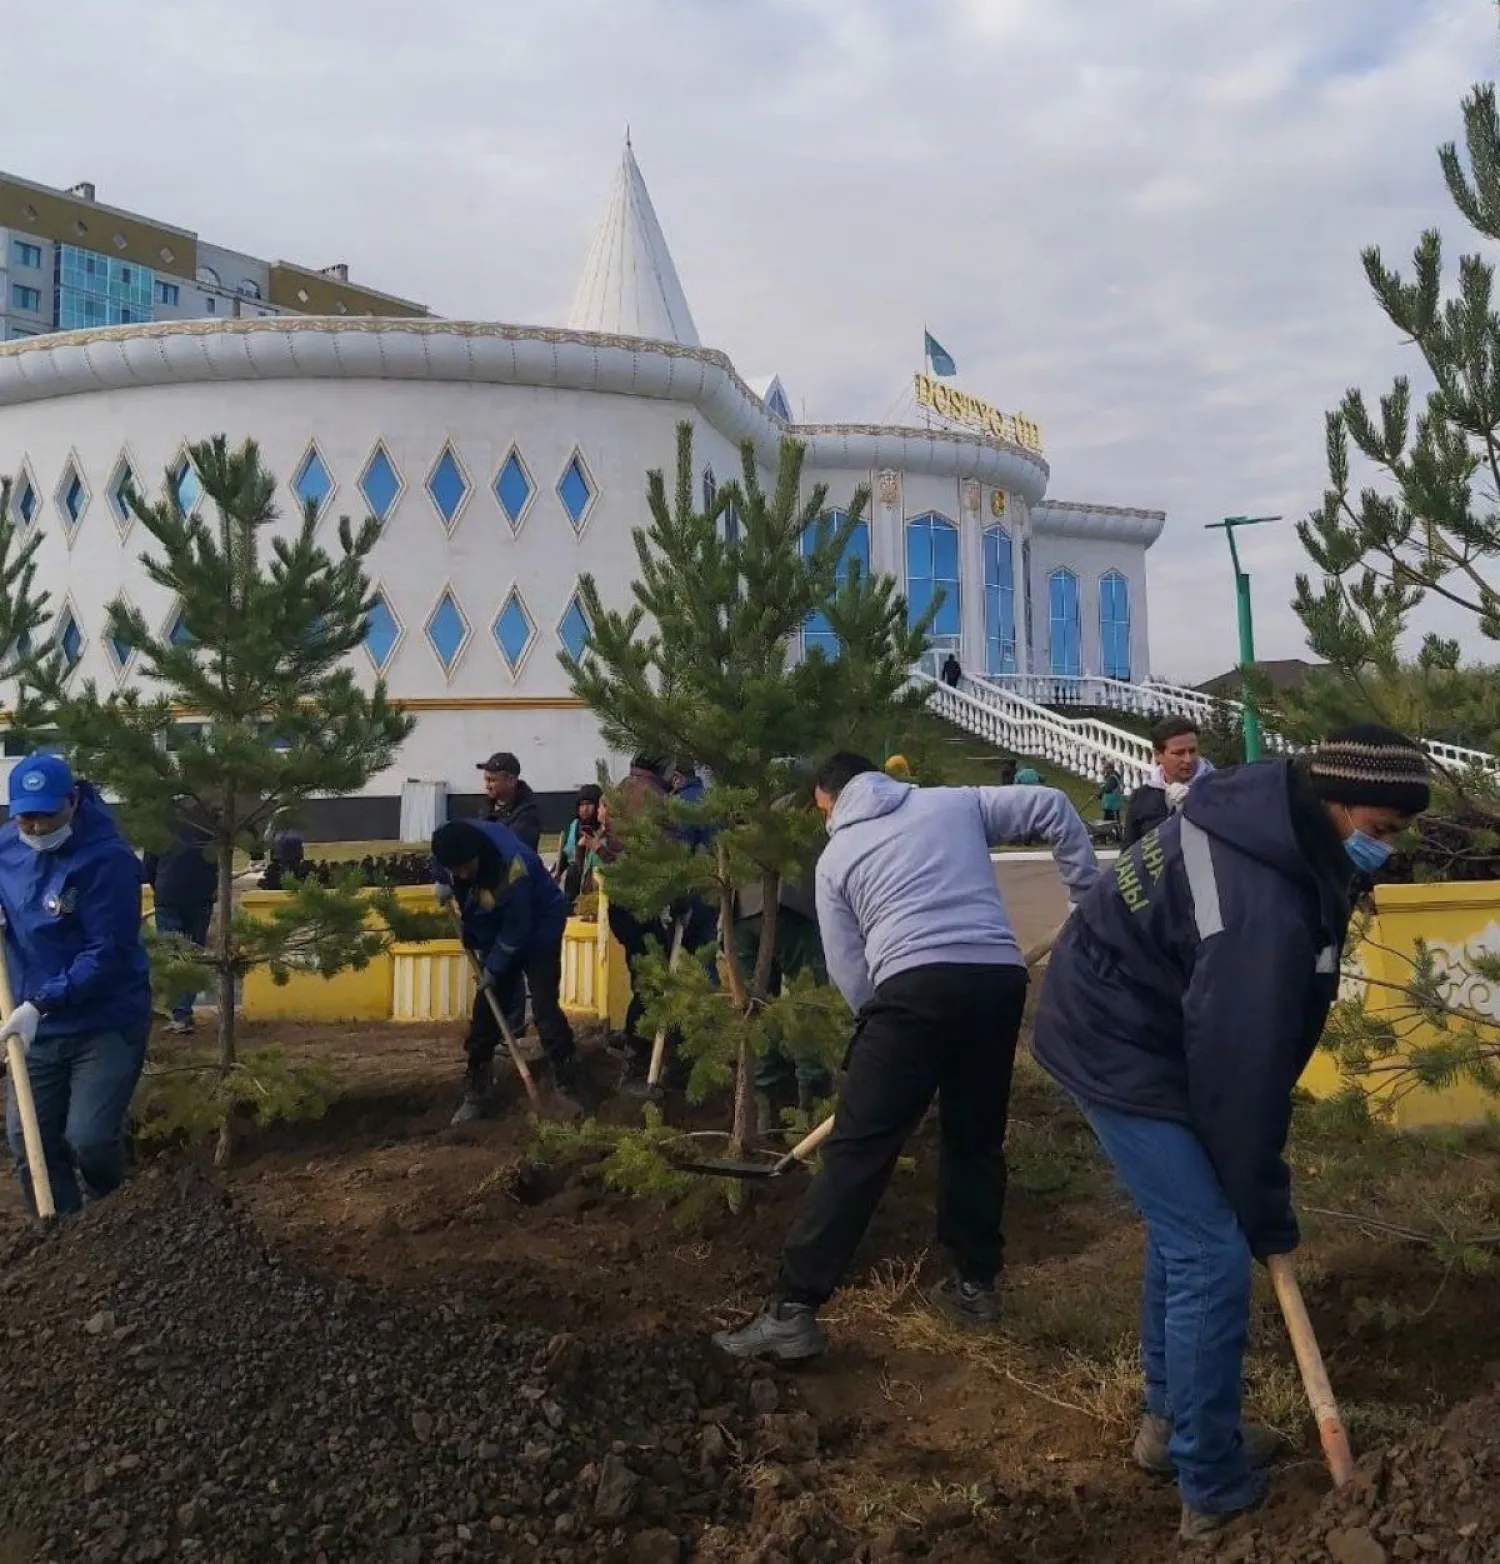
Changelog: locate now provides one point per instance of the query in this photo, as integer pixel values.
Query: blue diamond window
(448, 630)
(119, 650)
(70, 638)
(381, 632)
(576, 492)
(179, 634)
(187, 487)
(573, 632)
(26, 501)
(74, 497)
(380, 484)
(123, 495)
(513, 630)
(448, 487)
(513, 489)
(313, 483)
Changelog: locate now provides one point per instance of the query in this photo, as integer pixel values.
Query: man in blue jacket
(919, 942)
(513, 918)
(1182, 1003)
(70, 893)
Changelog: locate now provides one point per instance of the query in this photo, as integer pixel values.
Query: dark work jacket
(1146, 810)
(1193, 983)
(183, 876)
(514, 908)
(520, 815)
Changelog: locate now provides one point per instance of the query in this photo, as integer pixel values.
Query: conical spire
(629, 286)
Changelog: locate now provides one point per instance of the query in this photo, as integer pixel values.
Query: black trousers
(540, 970)
(944, 1031)
(633, 933)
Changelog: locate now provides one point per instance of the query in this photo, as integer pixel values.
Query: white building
(506, 460)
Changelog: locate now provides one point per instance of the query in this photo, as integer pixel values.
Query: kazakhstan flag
(938, 356)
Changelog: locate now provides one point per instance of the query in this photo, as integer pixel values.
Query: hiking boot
(1204, 1525)
(568, 1078)
(967, 1303)
(1150, 1451)
(788, 1332)
(479, 1079)
(180, 1026)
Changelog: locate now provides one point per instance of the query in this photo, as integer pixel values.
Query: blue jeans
(82, 1086)
(192, 924)
(1195, 1303)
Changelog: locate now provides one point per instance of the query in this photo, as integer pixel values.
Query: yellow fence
(1457, 921)
(429, 981)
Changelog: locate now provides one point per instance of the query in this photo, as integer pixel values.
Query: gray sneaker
(788, 1332)
(1151, 1450)
(967, 1303)
(479, 1080)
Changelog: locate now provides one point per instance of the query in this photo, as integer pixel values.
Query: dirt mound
(170, 1387)
(1436, 1497)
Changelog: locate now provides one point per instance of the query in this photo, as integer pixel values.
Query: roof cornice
(114, 358)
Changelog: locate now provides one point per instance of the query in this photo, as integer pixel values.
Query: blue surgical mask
(1365, 853)
(48, 841)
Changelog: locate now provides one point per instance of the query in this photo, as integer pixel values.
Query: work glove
(22, 1023)
(443, 894)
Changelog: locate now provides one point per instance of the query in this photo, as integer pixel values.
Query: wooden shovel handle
(528, 1080)
(20, 1084)
(659, 1046)
(1325, 1409)
(819, 1133)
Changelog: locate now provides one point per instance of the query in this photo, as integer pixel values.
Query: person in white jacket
(919, 942)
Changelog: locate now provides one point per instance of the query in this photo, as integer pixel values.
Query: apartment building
(68, 262)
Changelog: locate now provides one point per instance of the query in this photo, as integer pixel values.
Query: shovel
(651, 1086)
(1325, 1409)
(20, 1084)
(729, 1167)
(562, 1107)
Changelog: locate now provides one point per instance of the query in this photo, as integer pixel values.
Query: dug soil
(381, 1339)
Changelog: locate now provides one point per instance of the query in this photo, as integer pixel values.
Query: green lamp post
(1247, 626)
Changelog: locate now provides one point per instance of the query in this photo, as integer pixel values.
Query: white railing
(1029, 692)
(1084, 746)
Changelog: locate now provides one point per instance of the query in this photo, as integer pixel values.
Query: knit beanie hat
(458, 843)
(590, 793)
(1373, 765)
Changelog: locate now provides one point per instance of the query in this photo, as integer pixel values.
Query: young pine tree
(1425, 529)
(705, 664)
(248, 708)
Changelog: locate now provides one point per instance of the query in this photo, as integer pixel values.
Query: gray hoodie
(906, 879)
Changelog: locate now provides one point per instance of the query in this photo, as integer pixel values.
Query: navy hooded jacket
(73, 926)
(1193, 983)
(514, 907)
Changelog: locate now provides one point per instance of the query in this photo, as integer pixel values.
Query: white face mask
(48, 841)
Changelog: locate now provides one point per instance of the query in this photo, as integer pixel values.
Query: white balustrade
(1084, 746)
(1028, 701)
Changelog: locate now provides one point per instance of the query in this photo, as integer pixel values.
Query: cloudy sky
(1136, 220)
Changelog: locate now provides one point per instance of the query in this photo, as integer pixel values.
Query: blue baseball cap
(40, 785)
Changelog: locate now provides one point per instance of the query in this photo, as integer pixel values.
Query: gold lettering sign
(961, 408)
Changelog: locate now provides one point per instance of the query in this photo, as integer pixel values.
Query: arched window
(1064, 640)
(999, 602)
(816, 631)
(1030, 615)
(932, 568)
(710, 489)
(1114, 626)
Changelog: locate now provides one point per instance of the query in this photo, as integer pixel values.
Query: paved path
(1036, 897)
